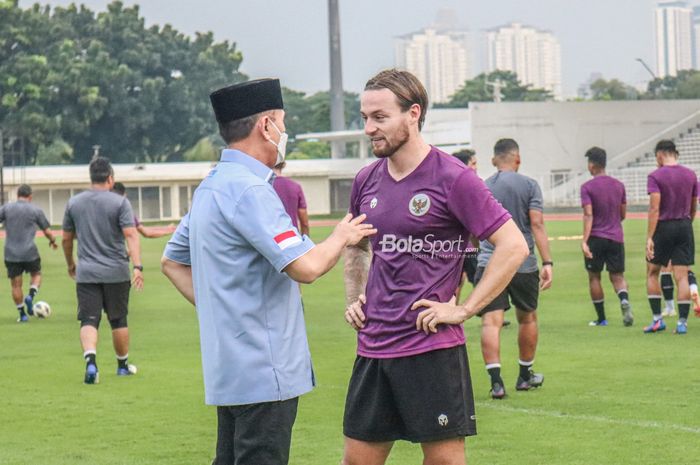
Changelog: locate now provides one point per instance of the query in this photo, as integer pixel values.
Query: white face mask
(281, 145)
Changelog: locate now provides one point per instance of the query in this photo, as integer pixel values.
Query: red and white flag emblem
(287, 239)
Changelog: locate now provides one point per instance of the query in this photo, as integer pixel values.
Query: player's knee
(653, 270)
(118, 323)
(526, 317)
(90, 322)
(494, 319)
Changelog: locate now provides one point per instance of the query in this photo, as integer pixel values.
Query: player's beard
(391, 146)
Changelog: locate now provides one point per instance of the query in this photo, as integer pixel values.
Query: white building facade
(534, 55)
(442, 60)
(674, 38)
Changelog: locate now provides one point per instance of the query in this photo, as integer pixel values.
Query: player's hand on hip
(650, 249)
(353, 230)
(546, 277)
(586, 250)
(137, 280)
(354, 314)
(437, 313)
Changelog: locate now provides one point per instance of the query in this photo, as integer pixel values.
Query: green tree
(307, 150)
(56, 153)
(479, 90)
(612, 90)
(686, 85)
(140, 93)
(204, 150)
(312, 113)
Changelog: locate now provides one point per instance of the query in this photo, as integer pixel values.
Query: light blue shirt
(238, 238)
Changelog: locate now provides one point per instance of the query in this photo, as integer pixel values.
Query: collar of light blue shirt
(242, 158)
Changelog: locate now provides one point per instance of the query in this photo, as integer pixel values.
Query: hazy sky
(289, 39)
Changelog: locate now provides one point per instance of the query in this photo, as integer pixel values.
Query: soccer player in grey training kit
(522, 197)
(411, 376)
(604, 205)
(101, 220)
(21, 220)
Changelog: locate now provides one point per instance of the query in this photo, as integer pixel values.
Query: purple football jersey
(423, 222)
(605, 195)
(677, 185)
(292, 197)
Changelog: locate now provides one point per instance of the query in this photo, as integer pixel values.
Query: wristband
(550, 263)
(139, 267)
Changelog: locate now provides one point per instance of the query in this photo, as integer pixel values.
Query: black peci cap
(246, 99)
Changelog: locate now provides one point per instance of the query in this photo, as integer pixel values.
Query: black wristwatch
(548, 263)
(139, 267)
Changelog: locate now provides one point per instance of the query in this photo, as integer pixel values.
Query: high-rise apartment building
(534, 55)
(441, 59)
(674, 38)
(696, 37)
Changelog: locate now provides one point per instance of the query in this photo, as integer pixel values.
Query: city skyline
(289, 39)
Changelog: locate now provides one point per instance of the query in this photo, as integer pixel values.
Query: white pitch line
(594, 418)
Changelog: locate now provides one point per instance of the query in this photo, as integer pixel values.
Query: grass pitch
(611, 395)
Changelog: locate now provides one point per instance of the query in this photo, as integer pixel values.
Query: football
(42, 310)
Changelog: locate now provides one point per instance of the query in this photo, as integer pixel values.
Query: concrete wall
(556, 135)
(316, 191)
(53, 185)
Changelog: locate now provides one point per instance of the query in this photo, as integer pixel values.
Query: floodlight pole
(647, 68)
(336, 93)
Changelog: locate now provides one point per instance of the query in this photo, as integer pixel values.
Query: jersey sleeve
(302, 199)
(585, 196)
(41, 221)
(261, 219)
(178, 247)
(126, 215)
(624, 195)
(652, 185)
(472, 203)
(536, 200)
(354, 208)
(68, 223)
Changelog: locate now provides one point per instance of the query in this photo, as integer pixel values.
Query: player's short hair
(667, 146)
(405, 86)
(24, 191)
(239, 129)
(119, 188)
(504, 147)
(465, 156)
(597, 156)
(100, 170)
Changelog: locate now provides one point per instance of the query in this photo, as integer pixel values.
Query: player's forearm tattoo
(357, 259)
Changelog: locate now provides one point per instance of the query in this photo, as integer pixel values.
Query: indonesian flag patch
(287, 239)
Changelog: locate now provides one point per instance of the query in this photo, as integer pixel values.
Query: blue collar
(242, 158)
